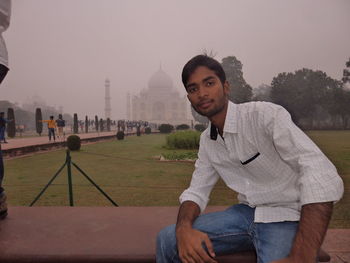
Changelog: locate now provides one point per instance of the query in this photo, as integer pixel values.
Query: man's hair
(205, 61)
(51, 117)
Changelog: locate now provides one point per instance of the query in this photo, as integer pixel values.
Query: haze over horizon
(62, 50)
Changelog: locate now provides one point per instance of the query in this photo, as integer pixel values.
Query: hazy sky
(62, 50)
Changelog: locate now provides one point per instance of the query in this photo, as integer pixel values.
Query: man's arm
(313, 225)
(190, 241)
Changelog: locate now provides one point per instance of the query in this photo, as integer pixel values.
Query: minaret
(128, 107)
(107, 100)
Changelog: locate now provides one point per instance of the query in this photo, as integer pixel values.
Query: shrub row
(183, 140)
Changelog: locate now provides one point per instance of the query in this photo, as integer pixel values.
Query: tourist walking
(61, 123)
(3, 122)
(51, 126)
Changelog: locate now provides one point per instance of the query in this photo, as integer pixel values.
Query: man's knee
(166, 237)
(166, 245)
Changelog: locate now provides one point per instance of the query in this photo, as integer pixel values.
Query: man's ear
(226, 88)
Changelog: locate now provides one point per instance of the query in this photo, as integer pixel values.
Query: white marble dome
(160, 81)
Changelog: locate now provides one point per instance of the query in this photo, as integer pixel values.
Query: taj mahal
(159, 103)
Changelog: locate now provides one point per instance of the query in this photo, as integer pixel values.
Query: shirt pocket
(256, 166)
(250, 159)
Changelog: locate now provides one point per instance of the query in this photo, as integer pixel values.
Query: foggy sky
(63, 50)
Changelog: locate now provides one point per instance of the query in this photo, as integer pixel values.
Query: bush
(182, 127)
(199, 127)
(75, 123)
(73, 143)
(38, 121)
(180, 156)
(120, 135)
(148, 130)
(166, 128)
(183, 140)
(96, 123)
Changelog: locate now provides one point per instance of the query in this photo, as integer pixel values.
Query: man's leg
(53, 134)
(3, 204)
(229, 231)
(2, 134)
(274, 241)
(49, 134)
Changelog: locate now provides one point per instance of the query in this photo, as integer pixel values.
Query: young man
(3, 122)
(61, 123)
(286, 186)
(51, 126)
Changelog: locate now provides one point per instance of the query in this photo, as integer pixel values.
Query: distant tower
(128, 107)
(108, 108)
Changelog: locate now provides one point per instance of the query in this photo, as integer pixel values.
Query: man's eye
(210, 83)
(192, 90)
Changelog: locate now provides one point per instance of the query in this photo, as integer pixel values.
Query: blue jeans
(52, 133)
(234, 230)
(2, 133)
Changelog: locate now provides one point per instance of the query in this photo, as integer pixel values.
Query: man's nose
(202, 92)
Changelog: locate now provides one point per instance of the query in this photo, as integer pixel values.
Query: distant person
(286, 186)
(61, 123)
(5, 13)
(51, 126)
(3, 123)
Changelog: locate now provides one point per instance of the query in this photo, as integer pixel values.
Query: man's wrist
(183, 226)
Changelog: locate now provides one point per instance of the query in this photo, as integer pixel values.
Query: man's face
(206, 93)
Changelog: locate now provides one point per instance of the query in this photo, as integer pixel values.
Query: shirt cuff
(189, 195)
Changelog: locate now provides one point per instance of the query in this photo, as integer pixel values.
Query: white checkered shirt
(268, 160)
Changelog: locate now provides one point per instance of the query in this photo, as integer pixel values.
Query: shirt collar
(230, 122)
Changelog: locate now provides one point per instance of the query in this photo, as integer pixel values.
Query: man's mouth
(205, 104)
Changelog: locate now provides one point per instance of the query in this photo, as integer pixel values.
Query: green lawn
(128, 172)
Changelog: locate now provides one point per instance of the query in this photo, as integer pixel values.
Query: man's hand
(190, 246)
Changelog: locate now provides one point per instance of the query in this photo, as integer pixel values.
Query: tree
(339, 101)
(240, 91)
(86, 124)
(11, 126)
(346, 73)
(262, 93)
(101, 125)
(305, 94)
(108, 124)
(96, 123)
(38, 121)
(75, 124)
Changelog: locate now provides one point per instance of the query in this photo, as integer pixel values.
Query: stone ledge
(99, 234)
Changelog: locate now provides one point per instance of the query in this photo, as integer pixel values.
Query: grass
(129, 173)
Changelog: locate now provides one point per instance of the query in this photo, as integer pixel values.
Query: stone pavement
(30, 141)
(28, 145)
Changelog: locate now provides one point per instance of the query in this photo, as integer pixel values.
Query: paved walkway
(30, 141)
